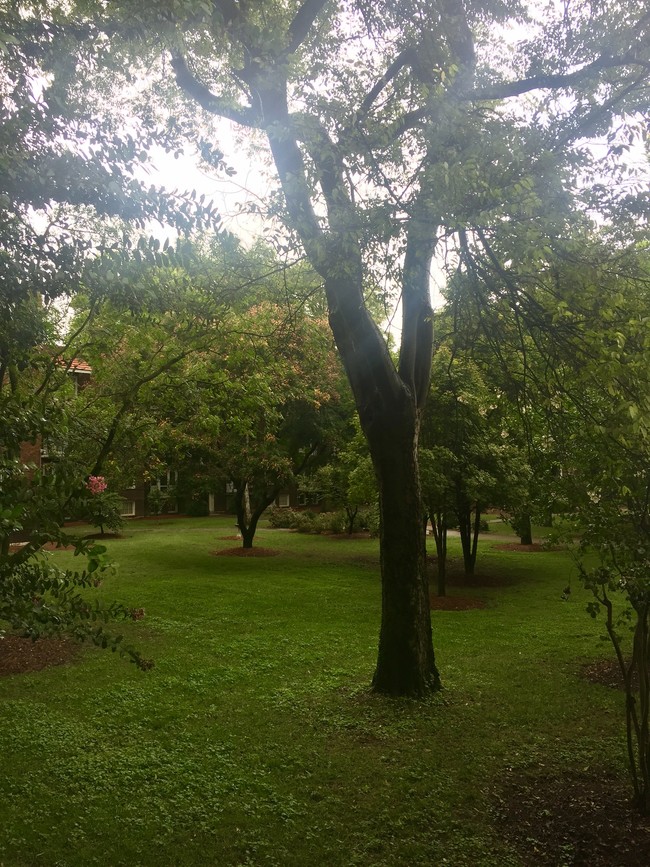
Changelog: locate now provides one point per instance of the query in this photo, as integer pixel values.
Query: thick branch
(459, 34)
(402, 59)
(302, 22)
(417, 314)
(188, 82)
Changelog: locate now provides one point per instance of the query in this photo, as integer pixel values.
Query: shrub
(280, 519)
(372, 520)
(330, 522)
(305, 522)
(158, 502)
(102, 508)
(198, 507)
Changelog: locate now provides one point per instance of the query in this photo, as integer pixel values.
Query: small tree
(102, 508)
(616, 528)
(348, 481)
(472, 462)
(437, 471)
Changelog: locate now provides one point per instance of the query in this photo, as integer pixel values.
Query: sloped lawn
(255, 740)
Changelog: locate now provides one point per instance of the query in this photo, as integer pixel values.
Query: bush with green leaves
(330, 522)
(159, 502)
(304, 522)
(280, 519)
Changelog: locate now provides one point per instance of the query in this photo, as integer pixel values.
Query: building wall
(30, 453)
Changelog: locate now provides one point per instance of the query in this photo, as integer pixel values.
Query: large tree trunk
(524, 528)
(405, 663)
(389, 399)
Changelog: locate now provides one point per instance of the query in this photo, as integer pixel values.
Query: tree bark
(405, 661)
(525, 529)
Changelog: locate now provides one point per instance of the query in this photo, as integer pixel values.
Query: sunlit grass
(255, 740)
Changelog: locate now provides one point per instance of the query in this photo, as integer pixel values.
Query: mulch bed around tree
(455, 603)
(535, 548)
(104, 536)
(247, 552)
(577, 819)
(19, 655)
(606, 672)
(456, 576)
(341, 536)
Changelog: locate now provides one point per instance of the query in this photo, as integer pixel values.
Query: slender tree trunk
(469, 525)
(464, 528)
(247, 500)
(475, 534)
(439, 524)
(388, 398)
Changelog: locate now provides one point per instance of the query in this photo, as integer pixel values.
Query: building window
(166, 485)
(283, 501)
(167, 481)
(128, 509)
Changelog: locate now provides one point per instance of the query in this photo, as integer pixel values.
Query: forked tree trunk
(469, 526)
(388, 398)
(351, 515)
(439, 524)
(247, 516)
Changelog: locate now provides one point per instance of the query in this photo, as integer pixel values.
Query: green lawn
(255, 740)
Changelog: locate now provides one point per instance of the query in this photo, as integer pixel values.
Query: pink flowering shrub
(96, 484)
(101, 507)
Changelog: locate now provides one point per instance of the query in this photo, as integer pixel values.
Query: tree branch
(405, 57)
(417, 315)
(554, 81)
(188, 83)
(301, 24)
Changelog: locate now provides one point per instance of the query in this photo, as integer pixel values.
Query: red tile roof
(79, 366)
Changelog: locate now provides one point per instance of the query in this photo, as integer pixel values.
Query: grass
(255, 740)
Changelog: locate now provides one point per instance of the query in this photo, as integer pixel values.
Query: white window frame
(163, 483)
(284, 501)
(128, 508)
(169, 480)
